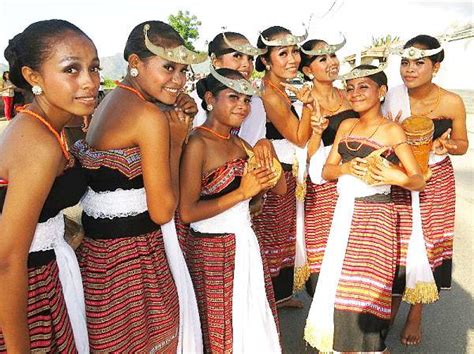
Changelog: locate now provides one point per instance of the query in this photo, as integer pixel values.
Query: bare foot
(411, 334)
(291, 302)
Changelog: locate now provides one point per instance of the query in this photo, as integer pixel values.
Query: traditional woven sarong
(211, 258)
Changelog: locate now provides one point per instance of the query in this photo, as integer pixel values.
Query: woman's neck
(421, 92)
(56, 117)
(131, 82)
(372, 116)
(270, 76)
(324, 90)
(217, 126)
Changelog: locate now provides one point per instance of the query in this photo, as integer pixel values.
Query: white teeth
(171, 90)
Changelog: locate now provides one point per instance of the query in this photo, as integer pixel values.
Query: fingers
(358, 167)
(398, 116)
(290, 87)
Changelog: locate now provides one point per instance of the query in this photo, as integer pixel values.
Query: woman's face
(324, 67)
(284, 61)
(162, 79)
(364, 94)
(69, 76)
(231, 107)
(417, 72)
(7, 76)
(236, 60)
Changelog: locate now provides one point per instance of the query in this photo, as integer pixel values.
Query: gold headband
(247, 49)
(289, 39)
(180, 54)
(327, 50)
(241, 85)
(416, 53)
(358, 73)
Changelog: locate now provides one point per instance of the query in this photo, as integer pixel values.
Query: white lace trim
(48, 233)
(114, 204)
(434, 159)
(284, 150)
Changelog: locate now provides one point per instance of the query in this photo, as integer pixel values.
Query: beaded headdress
(326, 50)
(180, 54)
(358, 73)
(289, 39)
(246, 48)
(239, 85)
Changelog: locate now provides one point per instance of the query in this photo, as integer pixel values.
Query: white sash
(254, 328)
(420, 284)
(319, 330)
(50, 235)
(123, 203)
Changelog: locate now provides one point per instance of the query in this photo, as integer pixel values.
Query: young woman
(230, 276)
(350, 311)
(8, 93)
(276, 225)
(232, 50)
(42, 303)
(132, 152)
(320, 65)
(428, 215)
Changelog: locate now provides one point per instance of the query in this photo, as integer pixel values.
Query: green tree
(187, 26)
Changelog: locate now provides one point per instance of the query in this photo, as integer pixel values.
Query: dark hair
(269, 33)
(306, 59)
(214, 86)
(427, 42)
(34, 45)
(379, 78)
(5, 74)
(219, 47)
(160, 34)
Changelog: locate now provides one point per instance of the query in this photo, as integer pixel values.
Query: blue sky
(108, 22)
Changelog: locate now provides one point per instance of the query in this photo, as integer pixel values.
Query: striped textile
(363, 298)
(48, 321)
(275, 227)
(182, 231)
(437, 204)
(131, 299)
(211, 264)
(319, 207)
(369, 264)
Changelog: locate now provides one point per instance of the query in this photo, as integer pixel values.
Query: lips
(409, 78)
(89, 99)
(173, 91)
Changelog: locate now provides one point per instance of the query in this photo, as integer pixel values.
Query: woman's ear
(32, 77)
(209, 98)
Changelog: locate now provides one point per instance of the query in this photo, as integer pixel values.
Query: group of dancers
(200, 219)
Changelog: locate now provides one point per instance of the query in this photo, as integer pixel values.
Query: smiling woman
(43, 307)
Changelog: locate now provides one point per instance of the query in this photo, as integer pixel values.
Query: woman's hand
(303, 94)
(387, 174)
(443, 144)
(186, 104)
(263, 153)
(256, 206)
(255, 181)
(318, 122)
(180, 124)
(357, 167)
(395, 119)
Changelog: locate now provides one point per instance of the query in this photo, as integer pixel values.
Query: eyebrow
(69, 59)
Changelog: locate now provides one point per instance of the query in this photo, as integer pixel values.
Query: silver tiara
(289, 39)
(358, 73)
(327, 50)
(247, 48)
(415, 53)
(239, 85)
(180, 54)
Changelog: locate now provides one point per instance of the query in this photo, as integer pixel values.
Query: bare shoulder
(347, 124)
(452, 98)
(196, 142)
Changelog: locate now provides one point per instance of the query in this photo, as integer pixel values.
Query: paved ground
(448, 324)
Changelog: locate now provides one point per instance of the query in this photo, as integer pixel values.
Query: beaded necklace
(131, 89)
(62, 143)
(278, 90)
(368, 138)
(220, 136)
(438, 100)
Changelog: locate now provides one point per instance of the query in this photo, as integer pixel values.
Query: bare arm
(30, 179)
(279, 113)
(160, 161)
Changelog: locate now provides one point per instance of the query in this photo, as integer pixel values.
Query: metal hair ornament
(289, 39)
(415, 53)
(358, 73)
(241, 85)
(247, 48)
(327, 50)
(180, 54)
